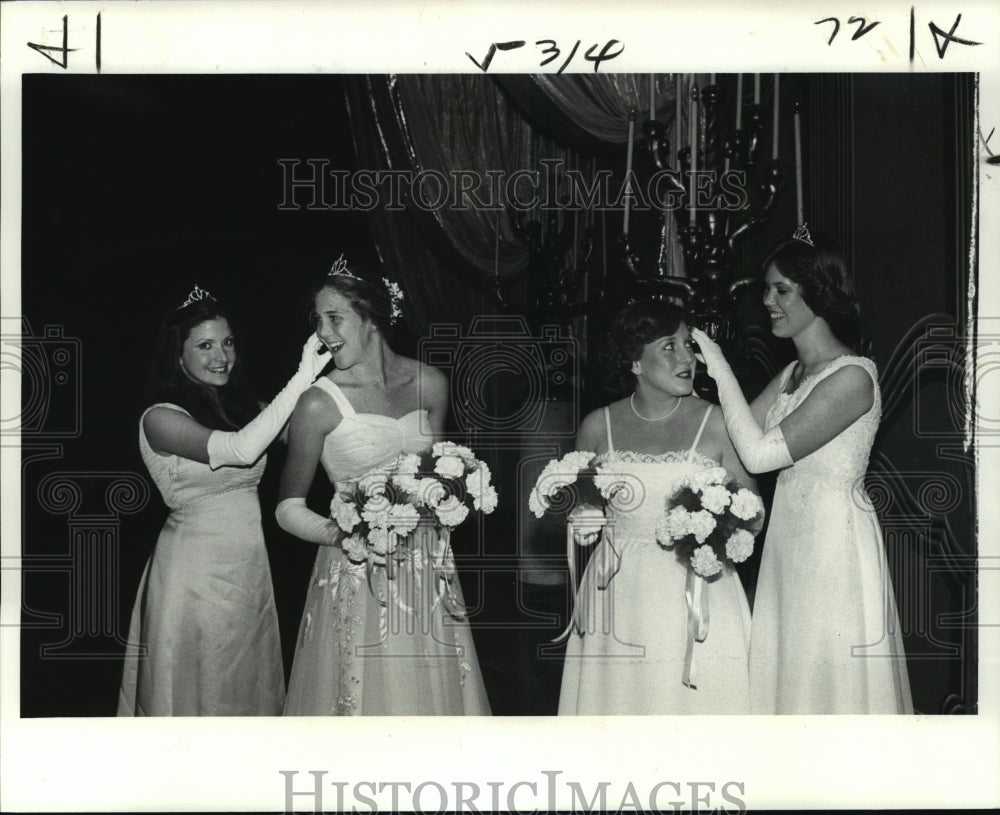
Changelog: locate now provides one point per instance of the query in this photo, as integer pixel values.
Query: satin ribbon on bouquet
(696, 596)
(603, 566)
(442, 566)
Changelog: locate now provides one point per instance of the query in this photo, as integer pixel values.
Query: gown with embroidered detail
(369, 645)
(825, 635)
(630, 657)
(204, 637)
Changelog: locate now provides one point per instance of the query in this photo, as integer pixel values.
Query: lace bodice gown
(204, 637)
(369, 645)
(630, 656)
(826, 635)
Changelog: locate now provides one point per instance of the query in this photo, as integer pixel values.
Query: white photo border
(214, 764)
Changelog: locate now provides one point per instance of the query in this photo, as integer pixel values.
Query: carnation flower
(449, 466)
(451, 511)
(477, 480)
(373, 483)
(408, 464)
(376, 511)
(408, 485)
(680, 483)
(537, 504)
(608, 483)
(487, 501)
(675, 525)
(700, 524)
(403, 518)
(715, 499)
(709, 477)
(562, 473)
(704, 561)
(739, 546)
(355, 549)
(746, 505)
(344, 512)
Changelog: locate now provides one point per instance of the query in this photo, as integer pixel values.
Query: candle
(652, 96)
(798, 171)
(628, 167)
(711, 79)
(756, 89)
(496, 246)
(604, 245)
(774, 129)
(693, 129)
(677, 111)
(739, 100)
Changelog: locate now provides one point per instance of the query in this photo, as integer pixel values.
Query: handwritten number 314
(552, 52)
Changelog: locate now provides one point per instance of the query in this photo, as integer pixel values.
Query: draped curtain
(448, 257)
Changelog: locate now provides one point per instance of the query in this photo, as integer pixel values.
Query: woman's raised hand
(312, 361)
(709, 352)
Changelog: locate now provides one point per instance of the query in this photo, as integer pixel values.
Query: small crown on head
(196, 295)
(802, 234)
(339, 267)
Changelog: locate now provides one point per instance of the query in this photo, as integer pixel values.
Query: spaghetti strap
(607, 424)
(701, 429)
(332, 388)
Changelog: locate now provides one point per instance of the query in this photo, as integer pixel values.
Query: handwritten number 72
(942, 39)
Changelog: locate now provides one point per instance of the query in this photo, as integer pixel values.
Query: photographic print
(523, 374)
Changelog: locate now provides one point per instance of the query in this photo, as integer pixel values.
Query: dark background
(136, 188)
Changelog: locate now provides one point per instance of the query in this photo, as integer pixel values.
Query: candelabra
(715, 176)
(710, 194)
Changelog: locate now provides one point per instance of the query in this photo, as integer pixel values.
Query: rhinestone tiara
(196, 295)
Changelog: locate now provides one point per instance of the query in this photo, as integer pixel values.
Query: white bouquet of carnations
(388, 504)
(576, 478)
(710, 520)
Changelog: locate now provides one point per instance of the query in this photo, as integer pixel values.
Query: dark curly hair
(631, 329)
(825, 285)
(228, 407)
(369, 299)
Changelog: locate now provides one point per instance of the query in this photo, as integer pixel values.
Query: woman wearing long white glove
(376, 638)
(205, 612)
(825, 635)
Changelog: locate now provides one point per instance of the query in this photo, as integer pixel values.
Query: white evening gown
(825, 636)
(380, 646)
(205, 611)
(630, 656)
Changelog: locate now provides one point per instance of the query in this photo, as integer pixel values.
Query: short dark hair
(369, 299)
(221, 408)
(631, 329)
(821, 272)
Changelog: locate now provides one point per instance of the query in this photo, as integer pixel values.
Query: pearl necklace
(667, 415)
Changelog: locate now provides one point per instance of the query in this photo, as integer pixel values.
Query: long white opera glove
(295, 517)
(760, 452)
(246, 446)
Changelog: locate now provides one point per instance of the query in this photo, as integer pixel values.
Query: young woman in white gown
(204, 634)
(826, 635)
(370, 644)
(629, 652)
